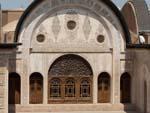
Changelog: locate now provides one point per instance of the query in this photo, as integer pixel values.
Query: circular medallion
(40, 38)
(100, 38)
(71, 24)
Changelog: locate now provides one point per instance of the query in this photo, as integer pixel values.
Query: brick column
(3, 85)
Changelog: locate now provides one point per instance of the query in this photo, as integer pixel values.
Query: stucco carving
(100, 31)
(72, 15)
(85, 13)
(94, 5)
(42, 29)
(87, 27)
(56, 27)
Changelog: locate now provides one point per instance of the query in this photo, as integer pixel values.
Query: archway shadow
(11, 108)
(14, 79)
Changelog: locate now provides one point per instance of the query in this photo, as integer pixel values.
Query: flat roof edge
(138, 46)
(9, 45)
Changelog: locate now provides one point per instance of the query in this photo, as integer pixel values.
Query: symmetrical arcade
(70, 80)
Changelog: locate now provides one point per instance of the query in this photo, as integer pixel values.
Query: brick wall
(8, 16)
(0, 23)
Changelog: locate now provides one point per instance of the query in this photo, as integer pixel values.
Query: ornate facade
(73, 56)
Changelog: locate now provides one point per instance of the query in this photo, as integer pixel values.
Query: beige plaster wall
(141, 75)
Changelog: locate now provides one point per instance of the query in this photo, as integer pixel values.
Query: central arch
(70, 80)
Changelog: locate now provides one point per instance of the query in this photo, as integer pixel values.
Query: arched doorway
(125, 88)
(145, 97)
(70, 80)
(14, 88)
(104, 88)
(36, 88)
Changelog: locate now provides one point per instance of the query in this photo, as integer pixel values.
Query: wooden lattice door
(36, 89)
(104, 88)
(125, 88)
(14, 88)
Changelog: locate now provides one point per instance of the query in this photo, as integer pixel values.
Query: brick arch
(130, 16)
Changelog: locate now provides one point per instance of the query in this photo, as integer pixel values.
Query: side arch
(36, 88)
(104, 88)
(125, 88)
(14, 93)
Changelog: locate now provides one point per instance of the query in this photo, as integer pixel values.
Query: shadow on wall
(12, 108)
(14, 84)
(126, 84)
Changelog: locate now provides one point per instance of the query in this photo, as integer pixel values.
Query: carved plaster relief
(100, 31)
(71, 15)
(42, 29)
(87, 27)
(84, 32)
(94, 5)
(56, 27)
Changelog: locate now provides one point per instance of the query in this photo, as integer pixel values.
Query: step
(70, 108)
(87, 112)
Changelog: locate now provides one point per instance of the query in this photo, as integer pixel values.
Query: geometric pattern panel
(70, 65)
